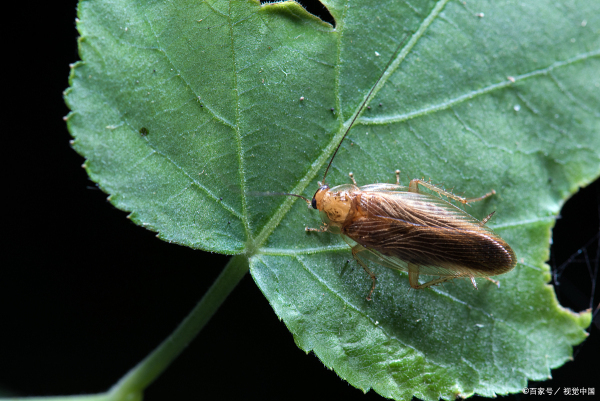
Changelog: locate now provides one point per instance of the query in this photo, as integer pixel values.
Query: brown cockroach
(404, 229)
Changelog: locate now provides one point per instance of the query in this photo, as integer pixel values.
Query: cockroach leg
(413, 278)
(413, 186)
(397, 177)
(351, 175)
(321, 229)
(487, 218)
(355, 250)
(492, 192)
(493, 281)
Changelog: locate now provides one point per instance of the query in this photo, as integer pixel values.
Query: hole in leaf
(574, 252)
(315, 7)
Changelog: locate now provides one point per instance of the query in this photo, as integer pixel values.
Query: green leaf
(184, 111)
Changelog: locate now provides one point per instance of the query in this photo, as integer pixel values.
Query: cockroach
(405, 229)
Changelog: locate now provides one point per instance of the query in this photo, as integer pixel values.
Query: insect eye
(314, 203)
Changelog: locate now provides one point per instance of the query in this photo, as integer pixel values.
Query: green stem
(141, 376)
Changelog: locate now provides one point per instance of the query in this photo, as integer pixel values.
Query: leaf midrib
(238, 136)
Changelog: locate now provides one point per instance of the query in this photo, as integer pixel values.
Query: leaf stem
(145, 372)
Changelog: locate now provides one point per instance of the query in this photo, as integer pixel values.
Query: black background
(85, 294)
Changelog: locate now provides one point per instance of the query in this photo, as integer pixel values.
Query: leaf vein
(193, 181)
(304, 251)
(238, 136)
(476, 93)
(186, 83)
(572, 97)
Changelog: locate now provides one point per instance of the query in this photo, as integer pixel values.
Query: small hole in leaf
(314, 7)
(317, 8)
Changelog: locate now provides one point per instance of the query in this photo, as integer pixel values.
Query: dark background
(85, 294)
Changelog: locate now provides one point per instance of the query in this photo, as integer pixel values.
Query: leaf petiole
(145, 372)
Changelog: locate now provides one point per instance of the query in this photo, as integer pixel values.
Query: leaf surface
(185, 110)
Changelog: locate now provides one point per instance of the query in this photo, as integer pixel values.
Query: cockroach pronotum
(403, 229)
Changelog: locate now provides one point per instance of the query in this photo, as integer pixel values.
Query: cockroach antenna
(279, 194)
(296, 195)
(364, 103)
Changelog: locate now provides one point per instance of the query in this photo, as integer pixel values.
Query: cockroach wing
(383, 188)
(398, 228)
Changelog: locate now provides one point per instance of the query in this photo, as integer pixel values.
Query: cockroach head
(318, 197)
